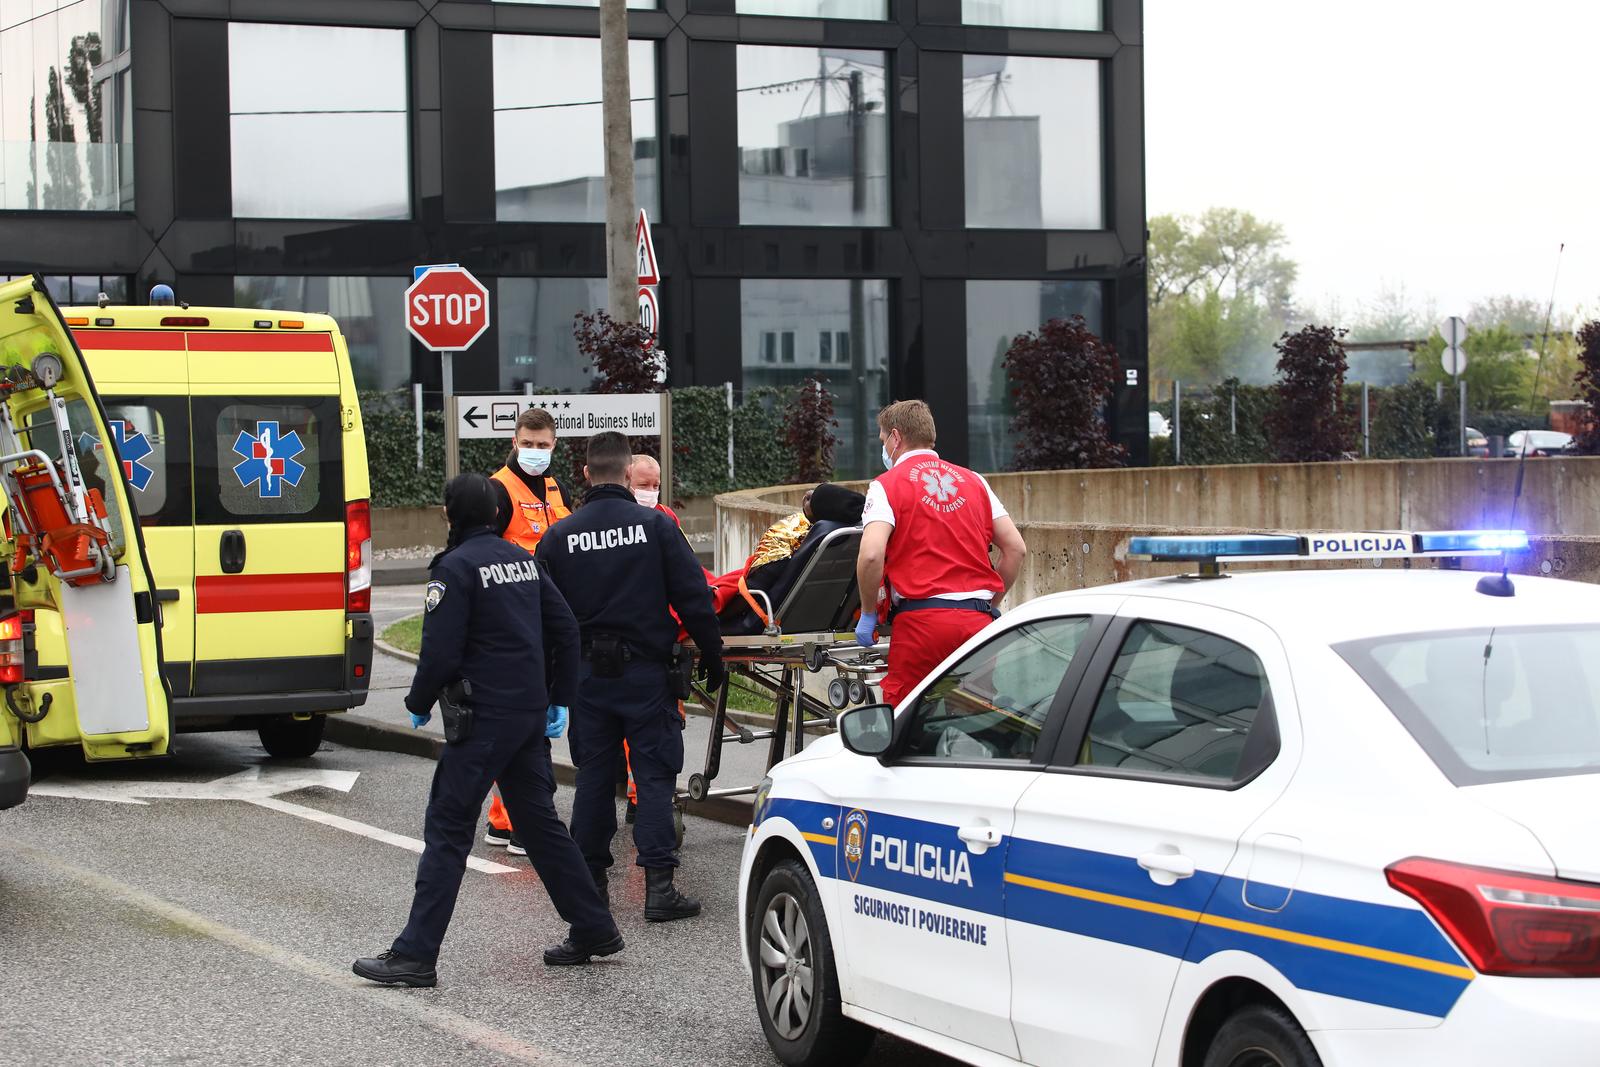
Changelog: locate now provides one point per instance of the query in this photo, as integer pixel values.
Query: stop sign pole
(447, 309)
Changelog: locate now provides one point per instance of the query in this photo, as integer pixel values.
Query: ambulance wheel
(1261, 1036)
(795, 981)
(288, 738)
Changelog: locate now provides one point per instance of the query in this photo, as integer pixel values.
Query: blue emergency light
(1388, 544)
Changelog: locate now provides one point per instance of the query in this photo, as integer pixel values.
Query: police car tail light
(358, 554)
(13, 646)
(1508, 923)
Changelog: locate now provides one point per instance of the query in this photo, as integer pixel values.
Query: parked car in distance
(1539, 443)
(1477, 443)
(1159, 426)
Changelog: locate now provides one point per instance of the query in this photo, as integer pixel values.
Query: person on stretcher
(824, 509)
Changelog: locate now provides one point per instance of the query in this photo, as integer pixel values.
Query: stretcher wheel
(839, 693)
(677, 825)
(697, 791)
(859, 693)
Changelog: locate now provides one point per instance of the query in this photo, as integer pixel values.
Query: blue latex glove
(866, 630)
(556, 721)
(419, 721)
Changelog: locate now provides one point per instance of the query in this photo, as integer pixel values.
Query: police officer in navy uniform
(494, 620)
(622, 566)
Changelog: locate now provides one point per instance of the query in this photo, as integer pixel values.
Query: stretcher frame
(809, 632)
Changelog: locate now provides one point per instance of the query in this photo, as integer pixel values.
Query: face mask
(648, 497)
(887, 462)
(534, 460)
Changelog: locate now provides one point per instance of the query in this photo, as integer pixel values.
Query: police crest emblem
(855, 842)
(434, 595)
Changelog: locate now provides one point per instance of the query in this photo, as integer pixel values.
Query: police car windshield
(1492, 704)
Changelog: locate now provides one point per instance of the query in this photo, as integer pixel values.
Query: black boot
(662, 901)
(391, 968)
(572, 951)
(603, 884)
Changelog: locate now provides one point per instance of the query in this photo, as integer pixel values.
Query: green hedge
(700, 426)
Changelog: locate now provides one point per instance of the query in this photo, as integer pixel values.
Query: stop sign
(447, 309)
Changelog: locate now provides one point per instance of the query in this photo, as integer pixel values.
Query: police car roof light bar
(1261, 548)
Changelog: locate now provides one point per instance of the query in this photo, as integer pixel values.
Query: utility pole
(622, 272)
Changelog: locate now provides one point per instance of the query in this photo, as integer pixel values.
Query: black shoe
(391, 968)
(514, 845)
(662, 901)
(493, 835)
(631, 816)
(602, 882)
(570, 953)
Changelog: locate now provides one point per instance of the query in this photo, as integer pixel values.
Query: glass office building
(881, 193)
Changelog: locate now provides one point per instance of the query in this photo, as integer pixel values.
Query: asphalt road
(219, 927)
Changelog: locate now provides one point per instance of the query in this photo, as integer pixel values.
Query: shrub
(1309, 422)
(1589, 386)
(760, 456)
(808, 426)
(700, 427)
(1402, 421)
(1061, 379)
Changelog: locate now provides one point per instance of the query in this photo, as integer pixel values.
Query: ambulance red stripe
(260, 342)
(130, 340)
(216, 594)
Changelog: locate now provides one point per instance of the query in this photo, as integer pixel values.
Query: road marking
(253, 785)
(350, 825)
(419, 1010)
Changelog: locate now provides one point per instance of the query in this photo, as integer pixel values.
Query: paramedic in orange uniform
(928, 527)
(533, 501)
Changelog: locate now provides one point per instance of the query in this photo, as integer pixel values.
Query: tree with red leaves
(1061, 380)
(1589, 387)
(622, 354)
(808, 426)
(1308, 423)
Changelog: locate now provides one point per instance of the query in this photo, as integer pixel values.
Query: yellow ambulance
(220, 452)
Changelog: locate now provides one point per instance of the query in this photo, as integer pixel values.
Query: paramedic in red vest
(538, 500)
(928, 527)
(530, 502)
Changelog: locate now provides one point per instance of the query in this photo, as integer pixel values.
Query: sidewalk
(384, 724)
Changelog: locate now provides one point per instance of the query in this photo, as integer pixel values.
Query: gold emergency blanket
(780, 540)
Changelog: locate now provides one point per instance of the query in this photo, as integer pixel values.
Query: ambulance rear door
(143, 379)
(269, 522)
(83, 590)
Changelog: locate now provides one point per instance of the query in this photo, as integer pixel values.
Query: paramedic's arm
(1013, 550)
(869, 564)
(444, 638)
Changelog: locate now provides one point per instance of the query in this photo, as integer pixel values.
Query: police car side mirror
(867, 731)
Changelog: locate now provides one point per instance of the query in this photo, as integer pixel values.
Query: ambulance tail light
(14, 629)
(1529, 926)
(185, 320)
(358, 554)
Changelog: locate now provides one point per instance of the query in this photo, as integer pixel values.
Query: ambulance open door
(79, 578)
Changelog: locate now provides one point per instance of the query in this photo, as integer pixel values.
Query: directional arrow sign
(472, 416)
(254, 785)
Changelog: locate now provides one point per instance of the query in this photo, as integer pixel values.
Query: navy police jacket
(621, 566)
(496, 620)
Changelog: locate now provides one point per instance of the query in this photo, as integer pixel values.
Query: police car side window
(994, 703)
(1177, 702)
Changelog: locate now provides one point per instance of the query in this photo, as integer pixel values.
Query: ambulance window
(151, 435)
(993, 704)
(269, 459)
(1177, 702)
(91, 457)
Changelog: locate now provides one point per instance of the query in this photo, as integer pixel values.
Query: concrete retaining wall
(1077, 523)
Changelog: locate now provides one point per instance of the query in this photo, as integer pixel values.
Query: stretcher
(809, 630)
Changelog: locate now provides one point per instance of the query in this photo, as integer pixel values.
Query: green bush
(760, 456)
(700, 441)
(1402, 421)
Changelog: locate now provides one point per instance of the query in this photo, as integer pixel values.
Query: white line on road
(351, 826)
(487, 1037)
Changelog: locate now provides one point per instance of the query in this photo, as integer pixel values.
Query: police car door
(84, 574)
(924, 836)
(1183, 734)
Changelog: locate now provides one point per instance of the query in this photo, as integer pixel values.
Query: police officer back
(494, 621)
(621, 567)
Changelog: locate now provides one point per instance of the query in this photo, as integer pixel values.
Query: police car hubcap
(786, 973)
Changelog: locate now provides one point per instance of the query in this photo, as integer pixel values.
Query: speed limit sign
(649, 311)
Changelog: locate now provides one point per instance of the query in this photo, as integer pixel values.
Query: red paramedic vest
(943, 526)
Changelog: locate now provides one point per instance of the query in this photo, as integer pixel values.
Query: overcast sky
(1444, 145)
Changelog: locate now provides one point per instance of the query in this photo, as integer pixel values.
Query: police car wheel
(796, 985)
(1261, 1036)
(288, 738)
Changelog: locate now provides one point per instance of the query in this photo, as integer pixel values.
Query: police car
(1345, 817)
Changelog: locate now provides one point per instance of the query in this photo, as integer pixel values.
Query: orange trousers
(500, 819)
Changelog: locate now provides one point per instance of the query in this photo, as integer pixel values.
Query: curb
(359, 731)
(400, 575)
(389, 650)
